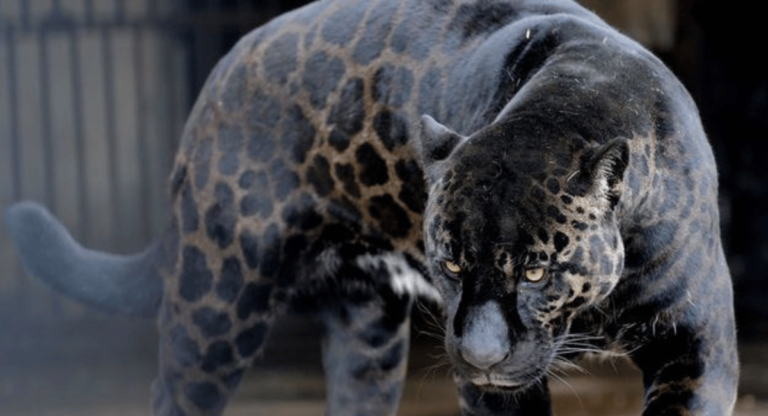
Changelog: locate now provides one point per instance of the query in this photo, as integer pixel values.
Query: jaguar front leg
(475, 401)
(688, 372)
(203, 361)
(365, 355)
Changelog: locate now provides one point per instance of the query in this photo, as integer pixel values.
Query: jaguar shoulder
(566, 204)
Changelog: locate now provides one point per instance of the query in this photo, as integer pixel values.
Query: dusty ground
(105, 369)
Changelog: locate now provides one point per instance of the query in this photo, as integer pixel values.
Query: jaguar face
(519, 243)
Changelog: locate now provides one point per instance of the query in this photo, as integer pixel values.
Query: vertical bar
(160, 30)
(45, 113)
(192, 38)
(48, 150)
(25, 20)
(13, 97)
(152, 12)
(89, 14)
(208, 42)
(84, 211)
(164, 73)
(180, 103)
(109, 98)
(194, 57)
(120, 11)
(77, 108)
(81, 140)
(171, 134)
(141, 131)
(15, 160)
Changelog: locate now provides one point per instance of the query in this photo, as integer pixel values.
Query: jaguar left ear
(437, 141)
(602, 173)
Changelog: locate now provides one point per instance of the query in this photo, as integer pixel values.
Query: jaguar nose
(485, 357)
(485, 342)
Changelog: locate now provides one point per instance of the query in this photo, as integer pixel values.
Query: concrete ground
(105, 368)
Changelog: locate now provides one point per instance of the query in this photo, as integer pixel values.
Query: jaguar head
(521, 237)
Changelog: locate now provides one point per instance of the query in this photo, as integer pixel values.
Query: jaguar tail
(117, 284)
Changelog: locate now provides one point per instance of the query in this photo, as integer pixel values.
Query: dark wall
(729, 80)
(218, 25)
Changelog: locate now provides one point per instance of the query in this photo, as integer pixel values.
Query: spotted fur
(307, 180)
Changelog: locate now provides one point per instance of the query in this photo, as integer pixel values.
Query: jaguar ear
(437, 140)
(602, 173)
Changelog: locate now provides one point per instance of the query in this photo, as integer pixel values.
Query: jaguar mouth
(497, 382)
(506, 381)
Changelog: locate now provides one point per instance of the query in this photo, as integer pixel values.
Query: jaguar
(541, 176)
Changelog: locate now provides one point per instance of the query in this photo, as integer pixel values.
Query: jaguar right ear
(602, 172)
(437, 141)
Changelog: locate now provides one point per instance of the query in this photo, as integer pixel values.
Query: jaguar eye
(534, 275)
(452, 267)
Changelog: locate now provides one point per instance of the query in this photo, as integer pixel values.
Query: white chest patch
(403, 277)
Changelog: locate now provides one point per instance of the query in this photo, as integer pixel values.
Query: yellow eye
(452, 267)
(534, 275)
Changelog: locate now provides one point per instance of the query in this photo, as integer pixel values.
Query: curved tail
(124, 285)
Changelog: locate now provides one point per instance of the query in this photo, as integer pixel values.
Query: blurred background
(93, 97)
